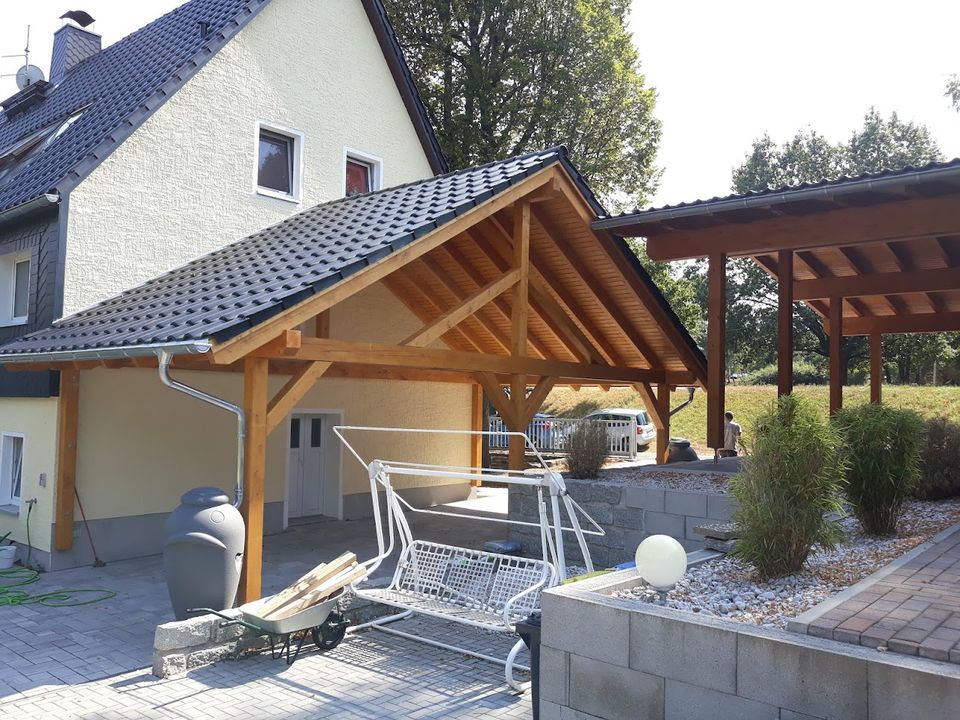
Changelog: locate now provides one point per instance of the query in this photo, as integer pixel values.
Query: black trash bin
(529, 632)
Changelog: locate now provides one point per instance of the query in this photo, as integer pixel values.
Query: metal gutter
(194, 347)
(30, 206)
(824, 192)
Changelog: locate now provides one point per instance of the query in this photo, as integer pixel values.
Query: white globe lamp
(661, 561)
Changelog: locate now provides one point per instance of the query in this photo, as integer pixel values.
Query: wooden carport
(871, 255)
(516, 292)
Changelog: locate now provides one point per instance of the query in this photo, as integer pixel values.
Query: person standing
(731, 436)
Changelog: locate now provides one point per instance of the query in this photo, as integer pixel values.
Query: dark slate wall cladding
(39, 235)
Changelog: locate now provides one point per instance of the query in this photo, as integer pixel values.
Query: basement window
(14, 288)
(361, 173)
(11, 468)
(279, 162)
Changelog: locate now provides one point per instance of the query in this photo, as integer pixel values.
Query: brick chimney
(71, 46)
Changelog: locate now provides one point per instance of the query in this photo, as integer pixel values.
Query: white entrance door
(306, 465)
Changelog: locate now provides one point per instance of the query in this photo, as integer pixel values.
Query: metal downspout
(163, 365)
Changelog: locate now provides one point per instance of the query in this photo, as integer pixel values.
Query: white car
(620, 440)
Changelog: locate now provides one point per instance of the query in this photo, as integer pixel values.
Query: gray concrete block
(599, 491)
(568, 713)
(550, 710)
(605, 636)
(802, 678)
(165, 666)
(554, 677)
(692, 702)
(693, 653)
(720, 507)
(182, 634)
(657, 523)
(646, 498)
(629, 518)
(903, 692)
(690, 528)
(614, 692)
(679, 502)
(791, 715)
(603, 513)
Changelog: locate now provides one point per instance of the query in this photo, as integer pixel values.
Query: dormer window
(279, 161)
(361, 173)
(14, 288)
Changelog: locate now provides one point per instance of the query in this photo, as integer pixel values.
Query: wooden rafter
(418, 297)
(858, 265)
(903, 263)
(894, 324)
(283, 403)
(894, 283)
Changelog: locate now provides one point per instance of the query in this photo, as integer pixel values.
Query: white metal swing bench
(485, 590)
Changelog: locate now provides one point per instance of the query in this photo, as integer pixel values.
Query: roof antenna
(28, 74)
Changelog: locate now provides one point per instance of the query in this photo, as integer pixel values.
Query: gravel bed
(718, 483)
(726, 587)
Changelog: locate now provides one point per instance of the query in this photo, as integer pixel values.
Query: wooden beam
(876, 367)
(476, 425)
(856, 262)
(419, 295)
(359, 353)
(519, 317)
(517, 446)
(68, 409)
(237, 347)
(716, 348)
(537, 397)
(896, 324)
(255, 378)
(836, 361)
(286, 343)
(283, 403)
(850, 226)
(322, 325)
(498, 398)
(663, 433)
(894, 283)
(455, 315)
(785, 323)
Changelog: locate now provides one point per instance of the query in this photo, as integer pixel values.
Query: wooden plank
(850, 226)
(306, 583)
(246, 342)
(716, 349)
(894, 283)
(876, 367)
(521, 264)
(836, 361)
(895, 324)
(255, 378)
(68, 409)
(418, 295)
(454, 316)
(785, 323)
(663, 433)
(292, 392)
(361, 353)
(351, 575)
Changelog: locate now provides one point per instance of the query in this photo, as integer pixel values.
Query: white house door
(306, 465)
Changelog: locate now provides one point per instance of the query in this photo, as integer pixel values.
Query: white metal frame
(551, 533)
(296, 180)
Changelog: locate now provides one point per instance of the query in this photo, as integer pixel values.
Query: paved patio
(911, 607)
(41, 647)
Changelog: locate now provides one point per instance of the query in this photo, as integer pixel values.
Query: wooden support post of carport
(255, 378)
(68, 409)
(876, 367)
(716, 348)
(785, 322)
(836, 361)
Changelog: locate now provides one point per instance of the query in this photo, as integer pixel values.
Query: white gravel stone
(727, 587)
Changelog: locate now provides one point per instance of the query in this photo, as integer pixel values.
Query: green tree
(953, 91)
(502, 77)
(881, 143)
(679, 291)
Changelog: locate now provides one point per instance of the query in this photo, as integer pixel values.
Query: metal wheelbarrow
(323, 622)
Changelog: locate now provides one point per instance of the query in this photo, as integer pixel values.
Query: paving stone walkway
(914, 608)
(369, 675)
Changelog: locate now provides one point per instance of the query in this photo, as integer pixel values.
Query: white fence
(549, 435)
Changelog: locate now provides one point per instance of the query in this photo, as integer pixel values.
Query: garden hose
(16, 577)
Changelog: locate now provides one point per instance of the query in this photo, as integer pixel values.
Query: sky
(725, 72)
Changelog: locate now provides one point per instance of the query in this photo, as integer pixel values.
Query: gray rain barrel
(202, 551)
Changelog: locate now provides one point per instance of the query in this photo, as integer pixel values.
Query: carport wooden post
(67, 426)
(518, 322)
(785, 322)
(663, 429)
(255, 376)
(836, 361)
(876, 367)
(476, 424)
(716, 348)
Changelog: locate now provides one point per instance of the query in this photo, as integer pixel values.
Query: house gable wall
(183, 183)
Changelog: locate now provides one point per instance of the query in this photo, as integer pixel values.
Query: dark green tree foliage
(881, 446)
(679, 291)
(790, 481)
(501, 77)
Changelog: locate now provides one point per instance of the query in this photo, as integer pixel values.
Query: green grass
(747, 401)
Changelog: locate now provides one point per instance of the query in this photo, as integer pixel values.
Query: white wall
(182, 184)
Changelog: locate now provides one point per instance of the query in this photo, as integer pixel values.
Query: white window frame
(297, 177)
(6, 483)
(8, 276)
(376, 168)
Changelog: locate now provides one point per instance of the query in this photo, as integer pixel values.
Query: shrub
(881, 446)
(940, 461)
(790, 480)
(587, 448)
(804, 373)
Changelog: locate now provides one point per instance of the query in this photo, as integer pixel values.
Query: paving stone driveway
(370, 675)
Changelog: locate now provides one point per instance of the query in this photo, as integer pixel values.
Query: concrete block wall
(627, 513)
(602, 657)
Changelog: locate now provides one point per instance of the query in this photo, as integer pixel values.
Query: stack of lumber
(313, 588)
